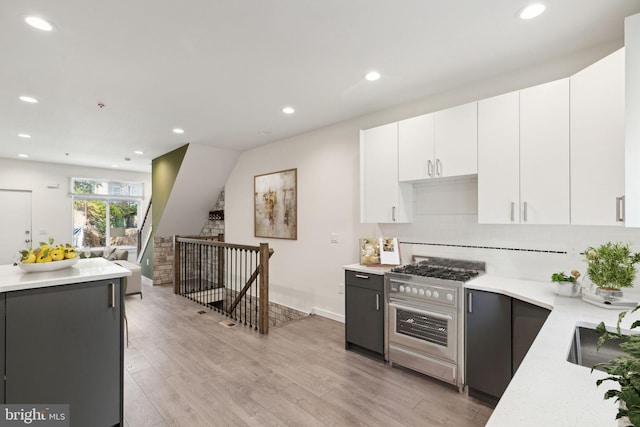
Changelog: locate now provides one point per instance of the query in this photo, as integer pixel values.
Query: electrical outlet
(340, 289)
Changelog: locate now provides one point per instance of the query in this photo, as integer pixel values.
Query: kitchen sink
(584, 349)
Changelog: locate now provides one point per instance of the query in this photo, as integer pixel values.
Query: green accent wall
(164, 171)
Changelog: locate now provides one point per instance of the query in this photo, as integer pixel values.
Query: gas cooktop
(443, 268)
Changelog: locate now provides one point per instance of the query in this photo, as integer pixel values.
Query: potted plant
(611, 267)
(566, 284)
(624, 370)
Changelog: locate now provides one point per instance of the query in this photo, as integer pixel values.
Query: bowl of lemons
(48, 257)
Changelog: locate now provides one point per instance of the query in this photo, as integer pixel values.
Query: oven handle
(420, 311)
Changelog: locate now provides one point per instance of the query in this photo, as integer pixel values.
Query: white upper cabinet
(597, 142)
(523, 156)
(544, 153)
(382, 198)
(456, 140)
(632, 122)
(416, 148)
(438, 145)
(499, 159)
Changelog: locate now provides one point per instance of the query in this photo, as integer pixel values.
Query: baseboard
(328, 314)
(147, 281)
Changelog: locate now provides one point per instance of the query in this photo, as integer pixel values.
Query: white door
(415, 148)
(544, 153)
(597, 142)
(456, 140)
(15, 224)
(499, 159)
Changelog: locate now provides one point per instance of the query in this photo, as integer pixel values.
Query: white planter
(567, 289)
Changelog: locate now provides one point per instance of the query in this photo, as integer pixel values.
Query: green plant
(561, 277)
(612, 265)
(624, 370)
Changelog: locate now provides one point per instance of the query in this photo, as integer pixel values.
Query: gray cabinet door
(64, 345)
(488, 343)
(527, 322)
(364, 313)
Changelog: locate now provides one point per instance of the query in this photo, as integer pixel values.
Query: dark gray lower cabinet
(488, 344)
(499, 333)
(364, 313)
(64, 346)
(527, 320)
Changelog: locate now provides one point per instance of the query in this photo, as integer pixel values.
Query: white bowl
(47, 266)
(567, 289)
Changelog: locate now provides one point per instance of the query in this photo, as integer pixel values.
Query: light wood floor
(185, 369)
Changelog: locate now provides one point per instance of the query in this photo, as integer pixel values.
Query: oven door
(430, 330)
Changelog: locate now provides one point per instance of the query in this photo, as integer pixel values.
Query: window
(105, 213)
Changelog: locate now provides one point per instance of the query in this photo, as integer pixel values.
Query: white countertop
(12, 278)
(380, 270)
(547, 390)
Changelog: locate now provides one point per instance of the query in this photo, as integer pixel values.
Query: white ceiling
(223, 70)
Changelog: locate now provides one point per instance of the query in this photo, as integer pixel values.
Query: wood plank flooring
(186, 369)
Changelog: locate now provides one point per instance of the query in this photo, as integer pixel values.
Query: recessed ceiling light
(24, 156)
(288, 110)
(372, 76)
(138, 152)
(38, 23)
(115, 166)
(24, 135)
(28, 99)
(531, 11)
(178, 130)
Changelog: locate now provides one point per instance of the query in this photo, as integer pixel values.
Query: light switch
(334, 237)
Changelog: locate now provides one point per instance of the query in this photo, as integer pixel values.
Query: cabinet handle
(361, 276)
(513, 211)
(430, 168)
(620, 209)
(377, 302)
(112, 288)
(438, 167)
(524, 212)
(393, 213)
(470, 302)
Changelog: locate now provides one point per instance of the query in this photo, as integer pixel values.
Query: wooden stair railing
(230, 278)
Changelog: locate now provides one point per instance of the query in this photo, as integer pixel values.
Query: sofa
(111, 254)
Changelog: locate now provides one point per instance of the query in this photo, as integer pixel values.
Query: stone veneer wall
(163, 257)
(215, 227)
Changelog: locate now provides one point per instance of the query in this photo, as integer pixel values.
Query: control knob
(428, 293)
(401, 288)
(421, 292)
(407, 290)
(449, 297)
(435, 294)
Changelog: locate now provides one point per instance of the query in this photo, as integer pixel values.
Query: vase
(567, 289)
(609, 293)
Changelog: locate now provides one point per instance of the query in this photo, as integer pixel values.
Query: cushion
(109, 253)
(121, 254)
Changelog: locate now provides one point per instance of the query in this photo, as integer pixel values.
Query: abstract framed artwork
(276, 205)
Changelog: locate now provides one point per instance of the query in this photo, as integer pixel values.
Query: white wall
(51, 208)
(305, 273)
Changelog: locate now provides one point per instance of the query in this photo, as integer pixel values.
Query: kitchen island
(61, 339)
(547, 390)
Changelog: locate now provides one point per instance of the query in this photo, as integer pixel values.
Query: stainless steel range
(425, 316)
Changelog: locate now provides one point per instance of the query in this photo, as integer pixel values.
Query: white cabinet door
(456, 140)
(383, 198)
(597, 142)
(499, 159)
(415, 148)
(632, 123)
(544, 153)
